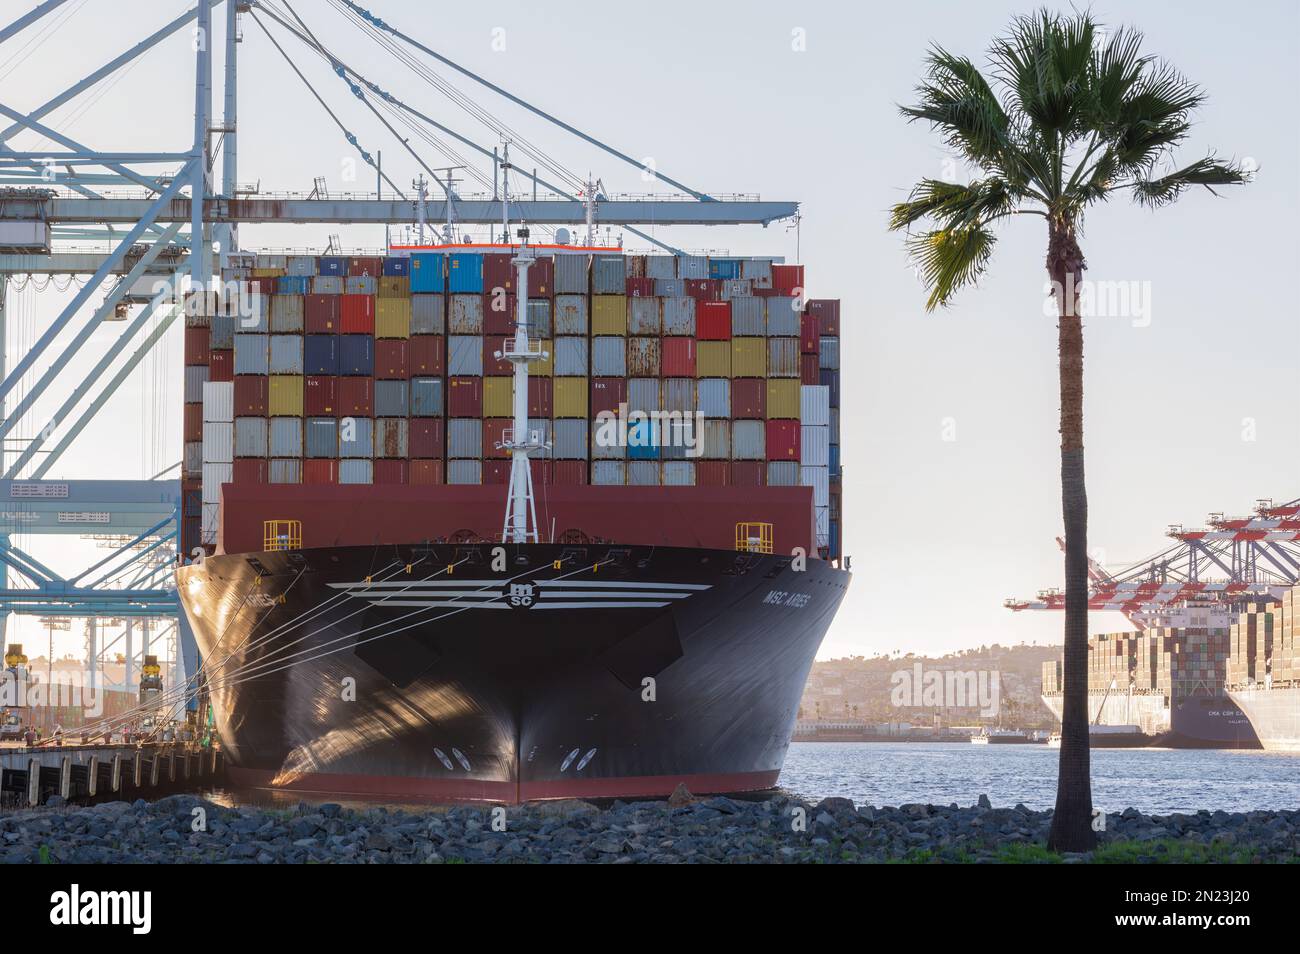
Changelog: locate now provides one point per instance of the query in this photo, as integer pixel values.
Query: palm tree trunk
(1072, 820)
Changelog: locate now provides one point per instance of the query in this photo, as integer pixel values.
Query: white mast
(591, 211)
(421, 193)
(520, 523)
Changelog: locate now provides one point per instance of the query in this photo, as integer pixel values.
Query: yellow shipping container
(569, 398)
(609, 315)
(783, 398)
(394, 286)
(267, 272)
(498, 397)
(749, 358)
(544, 368)
(285, 395)
(713, 359)
(392, 317)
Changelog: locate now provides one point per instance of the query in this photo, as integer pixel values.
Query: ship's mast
(421, 195)
(520, 523)
(590, 203)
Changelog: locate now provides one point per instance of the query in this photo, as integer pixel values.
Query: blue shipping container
(390, 398)
(830, 377)
(292, 285)
(427, 273)
(464, 273)
(356, 355)
(835, 460)
(333, 265)
(724, 268)
(643, 441)
(426, 397)
(395, 267)
(321, 354)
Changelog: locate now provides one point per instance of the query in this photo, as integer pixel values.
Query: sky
(949, 420)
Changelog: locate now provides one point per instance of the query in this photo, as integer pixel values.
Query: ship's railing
(754, 537)
(281, 534)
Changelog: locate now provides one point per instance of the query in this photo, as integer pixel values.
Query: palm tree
(1076, 119)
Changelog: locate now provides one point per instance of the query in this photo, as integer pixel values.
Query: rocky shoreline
(780, 829)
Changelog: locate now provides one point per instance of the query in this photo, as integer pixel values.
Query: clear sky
(949, 420)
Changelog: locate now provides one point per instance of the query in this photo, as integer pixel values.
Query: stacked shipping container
(384, 371)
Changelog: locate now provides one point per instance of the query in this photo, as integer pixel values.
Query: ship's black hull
(623, 672)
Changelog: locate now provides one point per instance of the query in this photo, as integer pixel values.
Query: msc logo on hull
(516, 594)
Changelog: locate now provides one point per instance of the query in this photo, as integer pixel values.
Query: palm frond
(955, 206)
(1207, 172)
(1045, 60)
(958, 103)
(949, 259)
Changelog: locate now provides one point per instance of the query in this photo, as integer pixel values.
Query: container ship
(510, 522)
(1169, 681)
(1264, 677)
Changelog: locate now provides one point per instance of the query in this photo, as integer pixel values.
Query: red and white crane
(1234, 560)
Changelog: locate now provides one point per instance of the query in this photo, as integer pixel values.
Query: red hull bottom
(470, 790)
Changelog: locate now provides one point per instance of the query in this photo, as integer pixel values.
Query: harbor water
(1155, 781)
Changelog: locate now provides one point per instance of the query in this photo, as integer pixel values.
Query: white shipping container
(643, 473)
(214, 475)
(608, 472)
(815, 404)
(748, 440)
(219, 401)
(195, 377)
(285, 471)
(464, 472)
(286, 437)
(815, 445)
(218, 442)
(717, 440)
(819, 479)
(569, 440)
(714, 397)
(678, 473)
(250, 436)
(830, 353)
(602, 450)
(356, 472)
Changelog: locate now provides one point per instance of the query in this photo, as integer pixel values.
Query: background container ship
(1264, 678)
(349, 445)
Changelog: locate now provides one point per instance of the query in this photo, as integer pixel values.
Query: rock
(681, 796)
(54, 801)
(984, 802)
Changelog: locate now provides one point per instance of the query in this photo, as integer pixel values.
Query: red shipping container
(749, 398)
(494, 429)
(640, 287)
(425, 473)
(358, 316)
(221, 366)
(492, 366)
(193, 422)
(390, 472)
(465, 397)
(569, 472)
(321, 396)
(827, 312)
(391, 359)
(607, 394)
(321, 314)
(261, 286)
(499, 314)
(251, 393)
(356, 397)
(197, 340)
(746, 473)
(713, 320)
(499, 273)
(541, 278)
(809, 373)
(317, 471)
(497, 472)
(425, 437)
(677, 357)
(365, 265)
(783, 440)
(249, 470)
(787, 279)
(809, 334)
(704, 289)
(540, 396)
(712, 473)
(427, 355)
